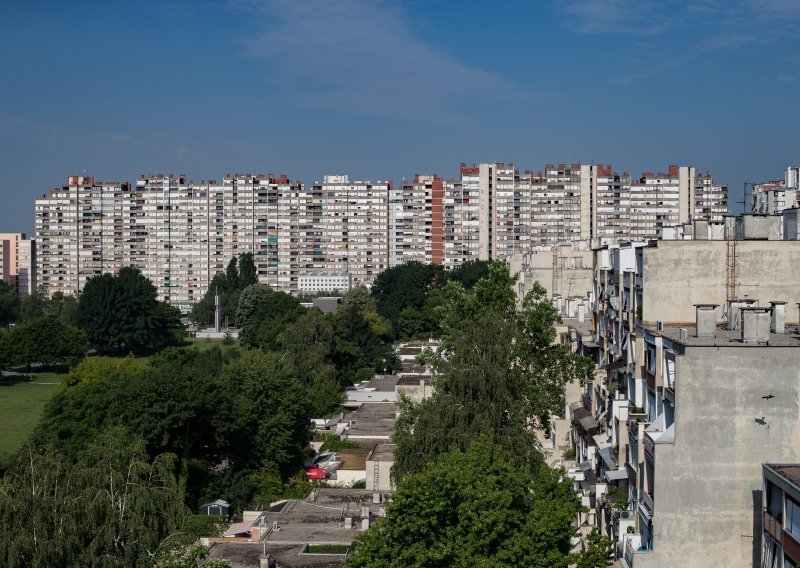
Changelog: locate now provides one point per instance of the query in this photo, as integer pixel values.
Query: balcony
(633, 549)
(646, 505)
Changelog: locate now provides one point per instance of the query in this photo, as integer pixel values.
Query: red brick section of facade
(437, 222)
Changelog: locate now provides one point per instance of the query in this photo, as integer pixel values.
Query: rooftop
(383, 452)
(302, 522)
(790, 471)
(408, 380)
(372, 420)
(724, 337)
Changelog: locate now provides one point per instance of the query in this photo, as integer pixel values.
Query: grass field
(21, 405)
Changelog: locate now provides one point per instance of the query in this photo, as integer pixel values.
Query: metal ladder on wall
(731, 272)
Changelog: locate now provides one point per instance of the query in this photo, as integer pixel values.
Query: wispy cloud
(363, 57)
(630, 17)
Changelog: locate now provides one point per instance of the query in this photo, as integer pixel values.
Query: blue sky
(389, 89)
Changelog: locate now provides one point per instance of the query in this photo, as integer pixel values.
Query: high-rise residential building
(416, 221)
(181, 233)
(349, 226)
(80, 232)
(17, 258)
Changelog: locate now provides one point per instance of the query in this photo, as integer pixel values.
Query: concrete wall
(384, 479)
(678, 274)
(567, 281)
(707, 481)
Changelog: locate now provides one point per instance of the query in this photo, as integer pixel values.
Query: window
(792, 517)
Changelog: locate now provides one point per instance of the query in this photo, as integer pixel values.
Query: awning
(608, 457)
(616, 365)
(575, 405)
(585, 466)
(590, 344)
(601, 440)
(616, 474)
(588, 423)
(238, 528)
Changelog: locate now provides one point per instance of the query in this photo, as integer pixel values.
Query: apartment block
(350, 228)
(17, 260)
(80, 232)
(773, 197)
(416, 221)
(696, 386)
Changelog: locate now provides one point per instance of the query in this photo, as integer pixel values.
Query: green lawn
(21, 405)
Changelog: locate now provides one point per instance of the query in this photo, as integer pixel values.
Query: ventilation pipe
(756, 324)
(706, 321)
(778, 324)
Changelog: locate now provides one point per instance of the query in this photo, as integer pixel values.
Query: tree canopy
(239, 274)
(473, 508)
(121, 311)
(111, 505)
(47, 341)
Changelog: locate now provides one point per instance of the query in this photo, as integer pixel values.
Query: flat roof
(724, 337)
(372, 419)
(383, 452)
(408, 380)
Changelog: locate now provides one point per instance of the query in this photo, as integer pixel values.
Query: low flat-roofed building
(293, 527)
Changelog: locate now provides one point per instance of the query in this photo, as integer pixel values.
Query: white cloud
(363, 57)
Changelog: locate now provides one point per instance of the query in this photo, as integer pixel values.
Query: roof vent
(778, 324)
(756, 324)
(682, 334)
(659, 325)
(735, 312)
(706, 321)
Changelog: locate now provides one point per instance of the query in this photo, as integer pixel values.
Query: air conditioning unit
(352, 424)
(659, 325)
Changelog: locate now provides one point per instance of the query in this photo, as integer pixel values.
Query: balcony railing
(647, 502)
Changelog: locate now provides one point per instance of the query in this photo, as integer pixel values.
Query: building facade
(180, 233)
(17, 262)
(696, 386)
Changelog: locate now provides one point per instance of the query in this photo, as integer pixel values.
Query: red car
(316, 472)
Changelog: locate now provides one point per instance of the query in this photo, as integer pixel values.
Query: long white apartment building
(696, 386)
(180, 233)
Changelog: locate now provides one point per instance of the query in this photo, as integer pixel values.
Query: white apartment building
(80, 232)
(416, 221)
(350, 228)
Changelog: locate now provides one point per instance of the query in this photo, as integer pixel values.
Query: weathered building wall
(707, 483)
(678, 274)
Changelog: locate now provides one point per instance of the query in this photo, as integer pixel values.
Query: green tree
(271, 420)
(247, 270)
(597, 552)
(9, 304)
(112, 506)
(232, 275)
(122, 311)
(48, 341)
(469, 273)
(34, 306)
(498, 371)
(64, 307)
(404, 287)
(203, 311)
(473, 508)
(264, 314)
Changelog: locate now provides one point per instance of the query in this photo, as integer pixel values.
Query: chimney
(365, 524)
(735, 312)
(756, 324)
(706, 321)
(581, 313)
(778, 323)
